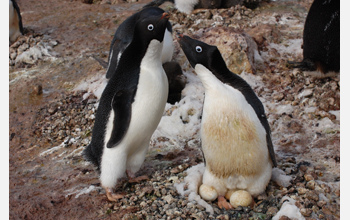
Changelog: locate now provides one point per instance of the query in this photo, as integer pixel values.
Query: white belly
(147, 109)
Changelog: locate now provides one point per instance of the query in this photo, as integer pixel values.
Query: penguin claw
(222, 203)
(111, 196)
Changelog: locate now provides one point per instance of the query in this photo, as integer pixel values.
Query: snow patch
(193, 180)
(280, 177)
(184, 122)
(94, 85)
(292, 46)
(288, 209)
(54, 149)
(80, 192)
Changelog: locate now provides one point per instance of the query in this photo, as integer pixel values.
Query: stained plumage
(236, 137)
(130, 107)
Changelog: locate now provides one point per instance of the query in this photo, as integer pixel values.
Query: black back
(124, 35)
(321, 46)
(15, 5)
(198, 52)
(120, 91)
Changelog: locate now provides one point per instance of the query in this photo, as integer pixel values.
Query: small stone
(38, 89)
(278, 96)
(312, 196)
(13, 55)
(311, 184)
(272, 211)
(23, 48)
(305, 93)
(306, 212)
(169, 199)
(302, 191)
(308, 177)
(321, 203)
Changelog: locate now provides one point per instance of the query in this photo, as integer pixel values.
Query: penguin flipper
(121, 106)
(265, 123)
(117, 48)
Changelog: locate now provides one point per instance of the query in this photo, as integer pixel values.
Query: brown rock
(311, 195)
(264, 34)
(306, 212)
(284, 218)
(272, 211)
(236, 47)
(38, 89)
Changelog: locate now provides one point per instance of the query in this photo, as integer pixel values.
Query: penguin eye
(150, 27)
(198, 49)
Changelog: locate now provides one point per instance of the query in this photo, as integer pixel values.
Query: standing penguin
(131, 107)
(187, 6)
(125, 32)
(15, 18)
(321, 39)
(235, 133)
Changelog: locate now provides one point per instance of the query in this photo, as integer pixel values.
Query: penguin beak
(165, 15)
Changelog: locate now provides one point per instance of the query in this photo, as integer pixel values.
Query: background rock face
(236, 47)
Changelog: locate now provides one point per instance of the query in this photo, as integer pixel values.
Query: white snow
(53, 149)
(280, 177)
(80, 192)
(193, 180)
(292, 46)
(289, 209)
(94, 85)
(184, 122)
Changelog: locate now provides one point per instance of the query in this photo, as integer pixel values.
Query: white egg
(240, 198)
(229, 193)
(208, 193)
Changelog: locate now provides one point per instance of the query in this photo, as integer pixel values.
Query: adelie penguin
(122, 38)
(130, 107)
(125, 32)
(187, 6)
(15, 21)
(321, 40)
(236, 138)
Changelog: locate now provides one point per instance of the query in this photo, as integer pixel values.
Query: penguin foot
(112, 196)
(222, 203)
(252, 204)
(133, 179)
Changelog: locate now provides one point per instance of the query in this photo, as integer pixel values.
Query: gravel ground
(303, 113)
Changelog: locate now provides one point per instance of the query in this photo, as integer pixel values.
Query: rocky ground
(52, 107)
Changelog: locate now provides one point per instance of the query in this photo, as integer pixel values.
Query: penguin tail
(305, 65)
(90, 157)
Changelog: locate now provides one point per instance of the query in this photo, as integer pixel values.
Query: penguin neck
(152, 56)
(206, 76)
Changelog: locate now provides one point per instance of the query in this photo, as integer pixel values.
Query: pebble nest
(69, 120)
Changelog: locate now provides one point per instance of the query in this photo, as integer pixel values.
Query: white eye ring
(198, 49)
(150, 27)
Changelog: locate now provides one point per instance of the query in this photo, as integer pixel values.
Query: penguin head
(151, 28)
(197, 52)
